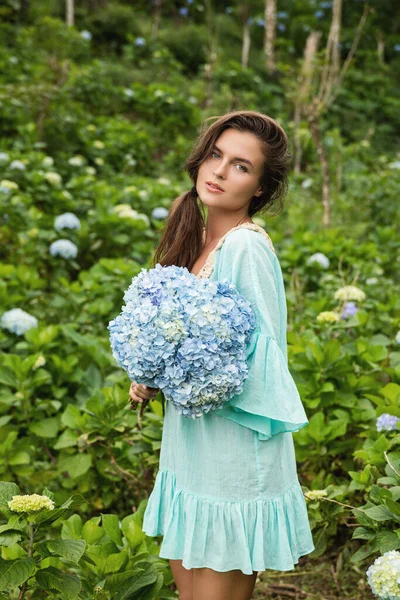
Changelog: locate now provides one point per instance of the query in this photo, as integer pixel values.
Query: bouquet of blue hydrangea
(185, 335)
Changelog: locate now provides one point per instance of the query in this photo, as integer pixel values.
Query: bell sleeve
(269, 402)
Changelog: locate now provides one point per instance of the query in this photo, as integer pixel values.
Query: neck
(220, 222)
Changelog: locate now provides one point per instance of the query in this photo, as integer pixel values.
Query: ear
(259, 192)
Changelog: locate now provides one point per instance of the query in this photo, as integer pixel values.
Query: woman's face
(227, 167)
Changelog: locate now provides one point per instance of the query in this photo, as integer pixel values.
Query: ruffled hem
(269, 402)
(224, 535)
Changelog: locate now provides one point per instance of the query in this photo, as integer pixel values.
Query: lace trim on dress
(208, 266)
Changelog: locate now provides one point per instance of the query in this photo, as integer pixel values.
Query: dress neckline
(208, 266)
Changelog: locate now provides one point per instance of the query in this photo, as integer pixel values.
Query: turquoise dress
(227, 494)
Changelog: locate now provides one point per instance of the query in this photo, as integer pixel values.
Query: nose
(219, 171)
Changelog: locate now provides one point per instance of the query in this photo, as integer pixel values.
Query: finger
(135, 398)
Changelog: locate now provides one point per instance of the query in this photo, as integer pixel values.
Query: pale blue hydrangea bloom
(63, 248)
(386, 422)
(67, 221)
(397, 338)
(184, 11)
(306, 183)
(129, 93)
(260, 22)
(185, 335)
(396, 47)
(140, 41)
(281, 27)
(18, 164)
(4, 158)
(18, 321)
(395, 164)
(86, 34)
(319, 258)
(384, 576)
(349, 310)
(319, 14)
(159, 213)
(282, 14)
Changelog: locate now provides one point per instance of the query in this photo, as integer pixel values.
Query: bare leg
(215, 585)
(183, 579)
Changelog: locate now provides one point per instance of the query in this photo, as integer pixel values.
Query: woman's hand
(139, 393)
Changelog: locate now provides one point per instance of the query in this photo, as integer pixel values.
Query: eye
(243, 167)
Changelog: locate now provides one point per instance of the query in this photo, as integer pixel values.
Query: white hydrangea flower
(328, 316)
(53, 178)
(77, 161)
(67, 220)
(143, 194)
(159, 213)
(159, 93)
(98, 144)
(319, 258)
(90, 171)
(99, 161)
(18, 164)
(128, 92)
(316, 494)
(9, 185)
(397, 338)
(91, 127)
(395, 164)
(350, 292)
(40, 362)
(164, 181)
(18, 321)
(30, 503)
(48, 161)
(64, 248)
(4, 158)
(384, 575)
(371, 281)
(307, 183)
(127, 212)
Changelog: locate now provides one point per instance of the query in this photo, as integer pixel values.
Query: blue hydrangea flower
(229, 10)
(260, 22)
(349, 310)
(282, 14)
(396, 47)
(140, 41)
(281, 27)
(319, 14)
(18, 321)
(185, 335)
(67, 220)
(64, 248)
(86, 34)
(184, 11)
(18, 164)
(250, 21)
(386, 422)
(159, 213)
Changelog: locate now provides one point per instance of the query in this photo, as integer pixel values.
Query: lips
(215, 185)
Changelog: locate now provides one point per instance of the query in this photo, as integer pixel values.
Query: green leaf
(72, 528)
(132, 531)
(91, 532)
(386, 541)
(76, 465)
(66, 440)
(7, 491)
(53, 580)
(111, 526)
(69, 549)
(394, 507)
(7, 377)
(361, 533)
(379, 513)
(15, 572)
(130, 587)
(392, 391)
(46, 428)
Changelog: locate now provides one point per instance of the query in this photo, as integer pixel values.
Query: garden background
(99, 106)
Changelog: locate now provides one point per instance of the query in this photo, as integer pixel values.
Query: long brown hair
(182, 236)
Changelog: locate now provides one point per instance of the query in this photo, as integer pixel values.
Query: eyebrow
(236, 157)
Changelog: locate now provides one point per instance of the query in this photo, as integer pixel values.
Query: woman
(227, 498)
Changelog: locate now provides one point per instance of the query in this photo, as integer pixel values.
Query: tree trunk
(270, 33)
(316, 135)
(246, 45)
(70, 13)
(156, 19)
